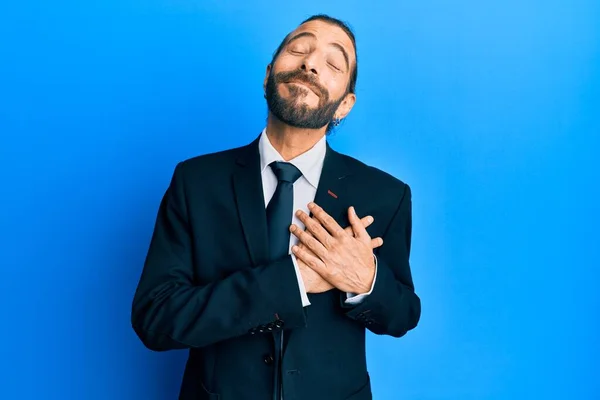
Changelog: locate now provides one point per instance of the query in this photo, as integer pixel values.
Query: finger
(308, 240)
(377, 242)
(302, 246)
(309, 259)
(326, 220)
(315, 228)
(359, 230)
(366, 221)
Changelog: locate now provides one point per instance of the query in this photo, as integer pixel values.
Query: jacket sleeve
(392, 308)
(170, 312)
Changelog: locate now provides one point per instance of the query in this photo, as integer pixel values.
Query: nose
(309, 65)
(308, 68)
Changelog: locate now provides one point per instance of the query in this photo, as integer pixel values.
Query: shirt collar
(310, 163)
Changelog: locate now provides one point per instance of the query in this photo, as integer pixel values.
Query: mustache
(302, 77)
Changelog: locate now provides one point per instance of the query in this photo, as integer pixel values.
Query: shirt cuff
(353, 298)
(303, 295)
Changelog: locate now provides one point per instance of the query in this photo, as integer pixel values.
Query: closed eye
(334, 67)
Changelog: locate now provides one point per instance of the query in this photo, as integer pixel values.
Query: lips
(308, 85)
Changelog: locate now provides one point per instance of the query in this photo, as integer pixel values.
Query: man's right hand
(313, 282)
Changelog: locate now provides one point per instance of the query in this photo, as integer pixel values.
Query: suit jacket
(208, 286)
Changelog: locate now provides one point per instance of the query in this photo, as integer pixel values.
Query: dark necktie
(280, 209)
(279, 218)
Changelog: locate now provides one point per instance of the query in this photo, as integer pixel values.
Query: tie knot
(285, 171)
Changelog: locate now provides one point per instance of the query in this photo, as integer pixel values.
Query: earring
(336, 121)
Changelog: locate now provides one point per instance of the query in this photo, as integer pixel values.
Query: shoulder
(210, 166)
(376, 179)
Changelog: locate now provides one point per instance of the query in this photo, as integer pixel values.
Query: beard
(291, 111)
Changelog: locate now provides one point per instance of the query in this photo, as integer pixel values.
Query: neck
(290, 142)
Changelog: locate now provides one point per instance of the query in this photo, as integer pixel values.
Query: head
(312, 77)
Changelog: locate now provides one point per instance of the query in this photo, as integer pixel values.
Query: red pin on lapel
(332, 194)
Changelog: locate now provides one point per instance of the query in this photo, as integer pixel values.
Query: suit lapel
(249, 197)
(332, 190)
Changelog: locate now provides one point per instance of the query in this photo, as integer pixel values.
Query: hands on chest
(331, 256)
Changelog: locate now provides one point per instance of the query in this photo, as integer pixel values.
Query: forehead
(327, 33)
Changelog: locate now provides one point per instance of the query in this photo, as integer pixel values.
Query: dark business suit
(208, 285)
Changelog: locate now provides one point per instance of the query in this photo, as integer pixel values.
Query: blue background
(489, 110)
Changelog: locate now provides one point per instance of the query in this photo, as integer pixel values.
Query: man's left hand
(344, 260)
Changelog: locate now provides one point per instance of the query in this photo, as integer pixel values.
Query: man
(259, 263)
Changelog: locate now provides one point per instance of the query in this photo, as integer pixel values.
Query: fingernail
(311, 206)
(353, 210)
(370, 219)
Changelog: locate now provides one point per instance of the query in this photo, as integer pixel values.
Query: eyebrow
(313, 36)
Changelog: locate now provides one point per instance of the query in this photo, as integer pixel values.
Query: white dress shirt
(310, 164)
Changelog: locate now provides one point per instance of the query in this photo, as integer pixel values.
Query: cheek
(286, 63)
(336, 87)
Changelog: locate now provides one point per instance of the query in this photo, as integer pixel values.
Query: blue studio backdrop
(489, 110)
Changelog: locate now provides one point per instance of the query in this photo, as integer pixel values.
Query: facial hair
(291, 111)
